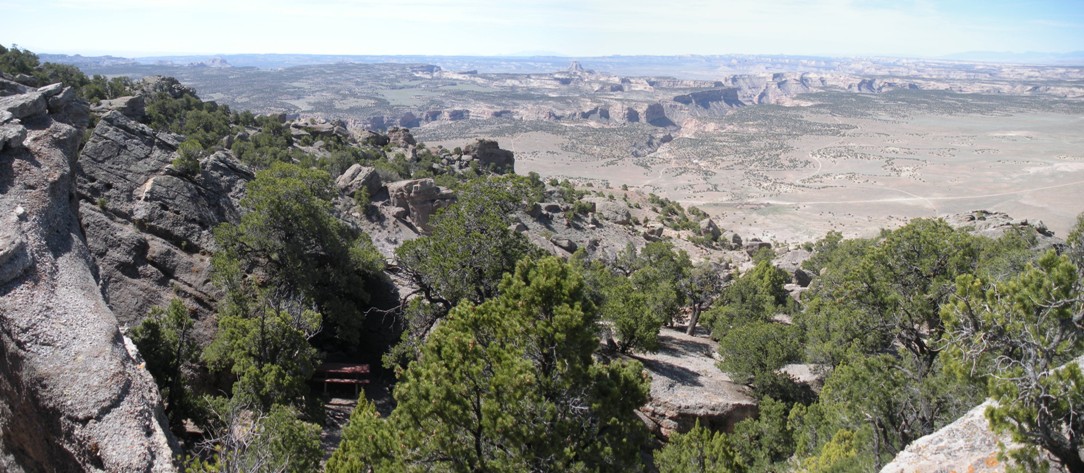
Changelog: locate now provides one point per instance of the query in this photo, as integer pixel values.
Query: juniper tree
(508, 385)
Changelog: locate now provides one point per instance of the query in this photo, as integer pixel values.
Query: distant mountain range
(1073, 58)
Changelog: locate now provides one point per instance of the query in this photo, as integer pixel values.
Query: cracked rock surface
(73, 397)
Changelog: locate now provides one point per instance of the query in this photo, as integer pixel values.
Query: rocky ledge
(687, 387)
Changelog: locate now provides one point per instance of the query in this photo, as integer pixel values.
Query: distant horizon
(563, 28)
(165, 55)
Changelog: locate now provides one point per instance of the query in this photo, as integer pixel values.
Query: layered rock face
(149, 227)
(73, 395)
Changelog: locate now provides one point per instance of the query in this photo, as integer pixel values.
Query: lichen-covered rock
(964, 445)
(72, 395)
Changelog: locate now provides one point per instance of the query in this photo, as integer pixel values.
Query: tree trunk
(1070, 459)
(691, 329)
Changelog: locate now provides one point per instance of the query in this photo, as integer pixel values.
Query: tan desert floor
(877, 175)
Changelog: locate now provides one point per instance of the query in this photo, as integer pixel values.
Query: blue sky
(919, 28)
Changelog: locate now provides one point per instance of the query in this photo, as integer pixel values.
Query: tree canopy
(290, 249)
(508, 385)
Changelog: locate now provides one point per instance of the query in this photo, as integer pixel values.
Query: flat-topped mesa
(74, 396)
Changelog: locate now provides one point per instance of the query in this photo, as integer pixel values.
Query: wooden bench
(342, 373)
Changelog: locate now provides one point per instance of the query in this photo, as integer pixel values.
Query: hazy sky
(574, 27)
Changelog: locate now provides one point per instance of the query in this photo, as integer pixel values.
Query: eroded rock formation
(149, 227)
(73, 395)
(418, 199)
(490, 155)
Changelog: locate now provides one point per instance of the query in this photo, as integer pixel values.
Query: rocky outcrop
(149, 229)
(359, 177)
(564, 244)
(160, 84)
(613, 211)
(687, 387)
(73, 395)
(754, 245)
(995, 224)
(401, 138)
(791, 263)
(967, 444)
(490, 156)
(655, 115)
(418, 199)
(132, 107)
(709, 230)
(713, 98)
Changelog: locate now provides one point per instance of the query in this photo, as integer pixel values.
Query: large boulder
(359, 177)
(687, 387)
(754, 245)
(967, 444)
(615, 211)
(732, 238)
(119, 158)
(791, 263)
(12, 132)
(490, 155)
(564, 244)
(151, 85)
(132, 107)
(653, 232)
(401, 138)
(24, 105)
(418, 199)
(709, 230)
(372, 138)
(73, 395)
